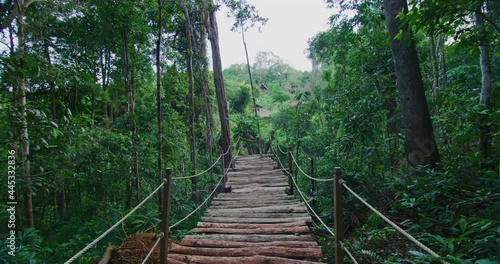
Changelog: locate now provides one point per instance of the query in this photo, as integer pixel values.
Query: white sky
(291, 24)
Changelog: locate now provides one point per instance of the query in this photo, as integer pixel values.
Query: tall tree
(246, 16)
(158, 101)
(486, 83)
(17, 12)
(213, 36)
(192, 113)
(420, 146)
(454, 18)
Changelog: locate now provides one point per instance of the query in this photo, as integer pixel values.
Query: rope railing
(279, 148)
(81, 252)
(201, 173)
(195, 210)
(343, 184)
(348, 252)
(399, 229)
(200, 206)
(162, 234)
(307, 175)
(314, 212)
(207, 170)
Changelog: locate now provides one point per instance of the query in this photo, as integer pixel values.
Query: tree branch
(29, 2)
(16, 11)
(492, 23)
(489, 20)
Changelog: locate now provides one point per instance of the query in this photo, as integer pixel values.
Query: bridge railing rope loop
(279, 148)
(91, 244)
(164, 242)
(307, 175)
(211, 166)
(200, 206)
(160, 236)
(343, 184)
(387, 220)
(332, 233)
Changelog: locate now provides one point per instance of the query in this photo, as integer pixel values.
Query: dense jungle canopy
(97, 98)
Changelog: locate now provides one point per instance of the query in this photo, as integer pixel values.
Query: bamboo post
(290, 171)
(338, 216)
(165, 216)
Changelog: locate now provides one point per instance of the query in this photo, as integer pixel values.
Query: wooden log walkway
(257, 222)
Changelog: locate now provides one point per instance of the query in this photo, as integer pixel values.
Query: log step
(179, 258)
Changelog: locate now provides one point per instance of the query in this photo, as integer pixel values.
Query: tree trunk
(253, 90)
(52, 83)
(62, 200)
(129, 86)
(25, 149)
(435, 68)
(486, 84)
(442, 62)
(203, 78)
(420, 146)
(128, 69)
(213, 36)
(484, 59)
(192, 141)
(105, 55)
(158, 103)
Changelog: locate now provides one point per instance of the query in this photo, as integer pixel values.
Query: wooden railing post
(338, 216)
(290, 171)
(260, 146)
(165, 216)
(223, 172)
(313, 184)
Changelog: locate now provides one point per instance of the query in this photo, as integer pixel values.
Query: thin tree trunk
(420, 146)
(129, 84)
(93, 99)
(52, 83)
(28, 199)
(435, 67)
(486, 83)
(62, 200)
(442, 59)
(158, 103)
(105, 79)
(253, 91)
(128, 69)
(213, 36)
(54, 197)
(15, 98)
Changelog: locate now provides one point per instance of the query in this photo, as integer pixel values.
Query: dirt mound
(133, 250)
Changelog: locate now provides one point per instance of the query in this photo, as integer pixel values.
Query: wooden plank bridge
(257, 222)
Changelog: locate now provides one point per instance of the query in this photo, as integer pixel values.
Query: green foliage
(84, 142)
(240, 99)
(278, 96)
(352, 121)
(245, 15)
